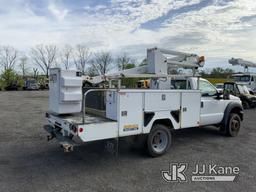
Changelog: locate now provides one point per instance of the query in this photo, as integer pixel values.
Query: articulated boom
(160, 62)
(241, 62)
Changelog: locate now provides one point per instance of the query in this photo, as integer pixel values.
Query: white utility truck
(246, 78)
(149, 113)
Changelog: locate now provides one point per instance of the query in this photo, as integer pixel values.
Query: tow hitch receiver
(65, 142)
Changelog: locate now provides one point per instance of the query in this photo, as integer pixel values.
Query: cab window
(207, 89)
(180, 84)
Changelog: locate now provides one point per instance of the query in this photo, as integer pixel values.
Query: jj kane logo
(178, 173)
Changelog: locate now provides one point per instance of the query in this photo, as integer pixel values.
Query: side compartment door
(130, 113)
(190, 109)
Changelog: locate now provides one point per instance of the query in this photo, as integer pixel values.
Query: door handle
(184, 109)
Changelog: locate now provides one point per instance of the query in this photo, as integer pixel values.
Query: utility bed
(131, 112)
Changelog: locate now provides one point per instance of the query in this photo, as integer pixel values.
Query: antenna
(241, 62)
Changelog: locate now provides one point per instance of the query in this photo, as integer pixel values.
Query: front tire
(233, 125)
(159, 140)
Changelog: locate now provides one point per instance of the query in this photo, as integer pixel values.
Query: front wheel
(233, 125)
(159, 140)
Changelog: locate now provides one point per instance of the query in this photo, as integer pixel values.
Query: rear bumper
(66, 142)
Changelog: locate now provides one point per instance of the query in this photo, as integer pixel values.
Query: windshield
(243, 89)
(244, 78)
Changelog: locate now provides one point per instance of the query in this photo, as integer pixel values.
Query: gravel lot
(29, 163)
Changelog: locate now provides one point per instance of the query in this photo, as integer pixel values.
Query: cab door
(212, 109)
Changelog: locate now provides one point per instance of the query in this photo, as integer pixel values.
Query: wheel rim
(234, 125)
(159, 141)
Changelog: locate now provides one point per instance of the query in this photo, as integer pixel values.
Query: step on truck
(150, 113)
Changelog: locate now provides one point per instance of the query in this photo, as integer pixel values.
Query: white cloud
(215, 30)
(59, 13)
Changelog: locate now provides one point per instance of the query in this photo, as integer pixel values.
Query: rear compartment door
(130, 113)
(190, 109)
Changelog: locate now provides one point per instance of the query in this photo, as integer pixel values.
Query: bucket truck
(246, 78)
(148, 115)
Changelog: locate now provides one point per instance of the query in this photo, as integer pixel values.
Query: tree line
(16, 66)
(44, 57)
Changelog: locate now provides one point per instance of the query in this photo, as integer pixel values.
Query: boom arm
(242, 62)
(159, 63)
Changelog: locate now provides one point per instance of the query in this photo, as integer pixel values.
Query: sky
(217, 29)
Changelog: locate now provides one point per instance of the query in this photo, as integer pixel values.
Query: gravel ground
(29, 163)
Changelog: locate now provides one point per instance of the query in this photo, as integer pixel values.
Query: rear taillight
(81, 130)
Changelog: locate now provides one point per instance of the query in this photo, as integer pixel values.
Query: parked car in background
(13, 86)
(31, 84)
(219, 87)
(241, 91)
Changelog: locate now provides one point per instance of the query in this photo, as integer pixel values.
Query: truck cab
(213, 104)
(248, 79)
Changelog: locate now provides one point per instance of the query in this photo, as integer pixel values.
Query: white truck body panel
(161, 101)
(98, 131)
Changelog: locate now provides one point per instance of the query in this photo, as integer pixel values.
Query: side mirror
(218, 95)
(226, 94)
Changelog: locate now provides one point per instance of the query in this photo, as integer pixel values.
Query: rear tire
(159, 140)
(233, 125)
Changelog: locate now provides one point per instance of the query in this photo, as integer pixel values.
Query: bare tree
(23, 65)
(66, 56)
(81, 57)
(8, 57)
(91, 71)
(35, 72)
(102, 62)
(125, 62)
(44, 56)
